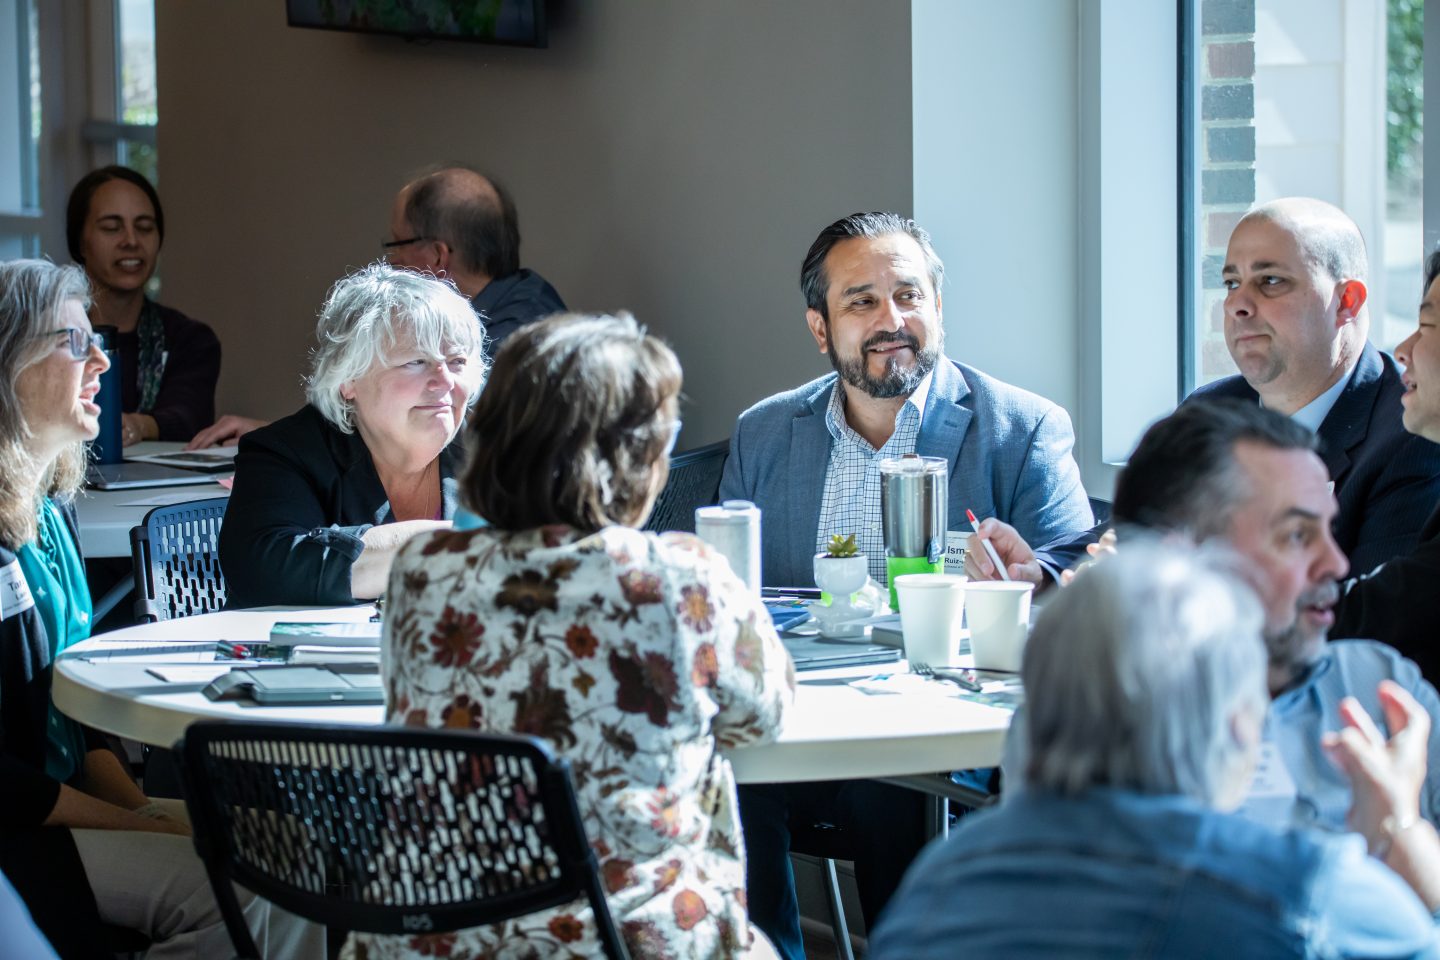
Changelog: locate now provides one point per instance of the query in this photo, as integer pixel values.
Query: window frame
(1132, 203)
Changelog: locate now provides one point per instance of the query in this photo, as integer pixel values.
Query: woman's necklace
(425, 491)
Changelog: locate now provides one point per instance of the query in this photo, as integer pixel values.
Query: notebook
(288, 686)
(821, 653)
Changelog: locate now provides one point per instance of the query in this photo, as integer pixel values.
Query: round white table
(835, 731)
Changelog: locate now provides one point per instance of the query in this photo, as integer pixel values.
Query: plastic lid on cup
(912, 464)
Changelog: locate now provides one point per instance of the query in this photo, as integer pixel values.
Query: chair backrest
(387, 830)
(694, 482)
(1101, 509)
(176, 552)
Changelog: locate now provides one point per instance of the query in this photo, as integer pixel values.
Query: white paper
(913, 684)
(956, 543)
(199, 673)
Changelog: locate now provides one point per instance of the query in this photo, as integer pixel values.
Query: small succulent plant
(842, 546)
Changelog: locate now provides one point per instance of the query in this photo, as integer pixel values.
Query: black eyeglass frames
(392, 244)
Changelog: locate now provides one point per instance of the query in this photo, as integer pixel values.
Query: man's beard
(1296, 646)
(895, 381)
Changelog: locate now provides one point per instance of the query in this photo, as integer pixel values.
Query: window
(1318, 98)
(77, 91)
(128, 126)
(20, 114)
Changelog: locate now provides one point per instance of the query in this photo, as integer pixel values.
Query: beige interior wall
(671, 158)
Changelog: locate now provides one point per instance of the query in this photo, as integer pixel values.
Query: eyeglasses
(79, 341)
(392, 244)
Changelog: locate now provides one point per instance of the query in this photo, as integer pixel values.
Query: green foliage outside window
(1405, 88)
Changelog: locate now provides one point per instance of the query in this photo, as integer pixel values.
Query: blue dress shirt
(1300, 715)
(1117, 874)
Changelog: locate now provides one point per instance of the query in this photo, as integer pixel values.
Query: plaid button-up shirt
(851, 502)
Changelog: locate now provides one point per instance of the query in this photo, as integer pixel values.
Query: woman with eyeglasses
(78, 839)
(169, 363)
(637, 656)
(325, 497)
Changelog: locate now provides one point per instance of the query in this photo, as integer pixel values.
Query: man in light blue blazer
(809, 458)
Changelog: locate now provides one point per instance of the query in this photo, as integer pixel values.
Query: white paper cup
(932, 606)
(999, 617)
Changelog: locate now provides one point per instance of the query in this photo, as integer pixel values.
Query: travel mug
(914, 514)
(108, 447)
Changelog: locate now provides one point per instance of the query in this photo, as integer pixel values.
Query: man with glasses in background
(1297, 326)
(460, 225)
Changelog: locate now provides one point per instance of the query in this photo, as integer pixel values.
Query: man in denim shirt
(1147, 683)
(1248, 477)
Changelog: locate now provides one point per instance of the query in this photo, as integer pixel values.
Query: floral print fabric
(636, 656)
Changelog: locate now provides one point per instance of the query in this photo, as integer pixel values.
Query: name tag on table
(956, 542)
(1272, 794)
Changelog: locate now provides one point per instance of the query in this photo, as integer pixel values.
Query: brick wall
(1227, 161)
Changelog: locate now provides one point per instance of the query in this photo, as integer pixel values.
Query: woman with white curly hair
(324, 498)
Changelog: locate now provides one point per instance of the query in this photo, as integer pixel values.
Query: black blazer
(1387, 480)
(1399, 603)
(304, 495)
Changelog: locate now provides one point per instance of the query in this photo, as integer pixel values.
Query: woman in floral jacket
(638, 657)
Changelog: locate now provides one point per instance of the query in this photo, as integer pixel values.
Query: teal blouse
(56, 576)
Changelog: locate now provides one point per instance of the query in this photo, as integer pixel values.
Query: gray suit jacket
(1009, 453)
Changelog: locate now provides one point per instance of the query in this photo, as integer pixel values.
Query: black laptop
(135, 476)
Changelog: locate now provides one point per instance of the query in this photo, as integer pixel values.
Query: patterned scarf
(153, 355)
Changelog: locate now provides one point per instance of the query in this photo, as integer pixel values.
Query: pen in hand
(989, 547)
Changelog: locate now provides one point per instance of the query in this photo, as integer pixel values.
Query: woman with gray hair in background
(325, 497)
(1145, 699)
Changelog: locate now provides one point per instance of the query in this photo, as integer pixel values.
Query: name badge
(14, 591)
(955, 543)
(1272, 795)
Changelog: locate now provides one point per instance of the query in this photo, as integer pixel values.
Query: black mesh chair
(387, 830)
(177, 560)
(694, 482)
(1101, 509)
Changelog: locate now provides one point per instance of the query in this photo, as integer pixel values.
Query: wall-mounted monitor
(518, 23)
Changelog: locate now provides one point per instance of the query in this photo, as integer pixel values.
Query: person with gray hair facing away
(325, 497)
(1146, 690)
